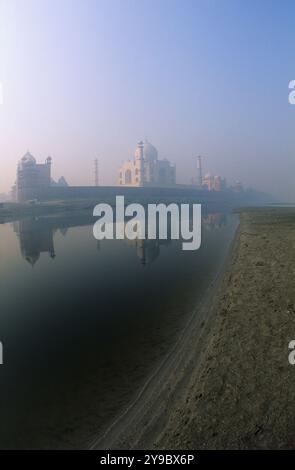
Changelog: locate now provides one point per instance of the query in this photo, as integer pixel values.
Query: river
(83, 323)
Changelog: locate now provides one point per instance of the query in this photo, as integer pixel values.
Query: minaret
(199, 167)
(48, 162)
(140, 166)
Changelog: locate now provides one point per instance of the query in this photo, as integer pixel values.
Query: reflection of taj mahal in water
(148, 250)
(36, 236)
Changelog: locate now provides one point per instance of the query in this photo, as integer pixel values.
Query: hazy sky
(84, 78)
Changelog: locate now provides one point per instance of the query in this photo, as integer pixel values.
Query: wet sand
(228, 383)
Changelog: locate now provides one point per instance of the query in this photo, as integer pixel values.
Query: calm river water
(83, 323)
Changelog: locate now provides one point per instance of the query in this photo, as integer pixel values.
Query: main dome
(149, 151)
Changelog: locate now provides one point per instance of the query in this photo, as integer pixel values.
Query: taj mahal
(145, 169)
(145, 174)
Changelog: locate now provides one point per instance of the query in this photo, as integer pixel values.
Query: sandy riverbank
(228, 384)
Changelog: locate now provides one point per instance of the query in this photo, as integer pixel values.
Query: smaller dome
(28, 159)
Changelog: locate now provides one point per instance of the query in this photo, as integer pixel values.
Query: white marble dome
(150, 153)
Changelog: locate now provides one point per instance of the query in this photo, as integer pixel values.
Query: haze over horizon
(90, 79)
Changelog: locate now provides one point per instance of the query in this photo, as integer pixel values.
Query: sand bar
(228, 384)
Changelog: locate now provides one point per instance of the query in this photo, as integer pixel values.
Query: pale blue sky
(91, 78)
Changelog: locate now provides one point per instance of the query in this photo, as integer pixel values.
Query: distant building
(61, 182)
(32, 177)
(214, 183)
(146, 169)
(208, 181)
(219, 183)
